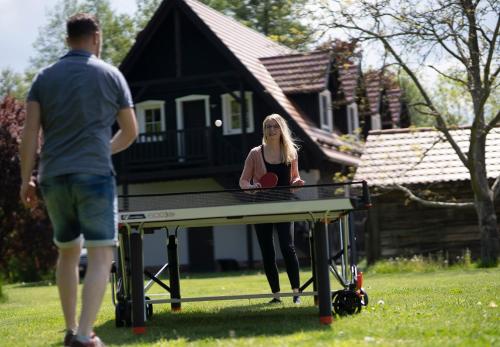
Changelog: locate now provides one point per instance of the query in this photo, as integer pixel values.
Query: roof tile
(415, 156)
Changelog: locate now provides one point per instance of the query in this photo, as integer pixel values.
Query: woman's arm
(247, 173)
(295, 176)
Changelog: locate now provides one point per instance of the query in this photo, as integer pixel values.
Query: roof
(348, 77)
(308, 72)
(376, 83)
(300, 73)
(373, 91)
(248, 47)
(420, 156)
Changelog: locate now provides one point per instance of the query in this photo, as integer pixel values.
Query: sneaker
(70, 335)
(275, 301)
(93, 342)
(296, 300)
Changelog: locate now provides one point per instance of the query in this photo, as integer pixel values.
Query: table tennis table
(318, 205)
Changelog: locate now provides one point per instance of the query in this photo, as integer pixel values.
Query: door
(193, 118)
(194, 129)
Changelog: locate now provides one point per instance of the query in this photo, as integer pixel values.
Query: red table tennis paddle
(269, 180)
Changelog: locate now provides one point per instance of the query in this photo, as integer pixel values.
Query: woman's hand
(252, 188)
(298, 182)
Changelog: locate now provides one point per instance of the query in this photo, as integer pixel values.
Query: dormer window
(376, 124)
(352, 119)
(151, 119)
(231, 113)
(325, 110)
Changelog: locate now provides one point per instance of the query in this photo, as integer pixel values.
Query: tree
(277, 19)
(12, 83)
(416, 34)
(26, 249)
(449, 97)
(118, 30)
(145, 10)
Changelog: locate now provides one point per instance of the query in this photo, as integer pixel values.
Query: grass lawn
(444, 308)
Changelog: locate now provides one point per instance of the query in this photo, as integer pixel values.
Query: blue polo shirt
(79, 97)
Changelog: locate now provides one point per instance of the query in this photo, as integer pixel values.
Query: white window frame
(193, 97)
(141, 108)
(226, 116)
(325, 124)
(352, 119)
(376, 122)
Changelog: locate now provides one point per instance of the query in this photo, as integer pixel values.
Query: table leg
(173, 270)
(137, 279)
(313, 263)
(322, 272)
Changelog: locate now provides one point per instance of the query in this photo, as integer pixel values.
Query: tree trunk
(490, 246)
(484, 199)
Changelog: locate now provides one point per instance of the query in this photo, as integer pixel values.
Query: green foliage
(145, 11)
(413, 98)
(280, 20)
(118, 32)
(3, 296)
(13, 83)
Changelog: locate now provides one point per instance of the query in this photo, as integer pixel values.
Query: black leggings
(285, 236)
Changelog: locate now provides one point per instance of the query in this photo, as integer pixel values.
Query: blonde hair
(287, 143)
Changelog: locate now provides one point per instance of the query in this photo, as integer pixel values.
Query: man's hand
(28, 194)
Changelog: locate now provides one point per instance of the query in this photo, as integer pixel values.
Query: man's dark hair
(81, 25)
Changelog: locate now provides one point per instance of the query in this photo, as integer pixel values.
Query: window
(231, 114)
(151, 119)
(352, 119)
(325, 110)
(376, 123)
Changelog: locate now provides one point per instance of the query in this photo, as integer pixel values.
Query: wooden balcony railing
(178, 149)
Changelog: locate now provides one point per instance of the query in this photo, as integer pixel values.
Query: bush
(26, 251)
(3, 297)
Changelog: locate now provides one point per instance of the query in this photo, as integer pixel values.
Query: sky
(20, 21)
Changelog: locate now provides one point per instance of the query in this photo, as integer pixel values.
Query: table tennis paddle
(269, 180)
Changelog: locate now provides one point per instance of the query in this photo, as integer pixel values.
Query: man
(75, 102)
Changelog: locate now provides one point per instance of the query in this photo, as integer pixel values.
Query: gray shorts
(82, 205)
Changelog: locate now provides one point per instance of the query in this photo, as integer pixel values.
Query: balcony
(179, 153)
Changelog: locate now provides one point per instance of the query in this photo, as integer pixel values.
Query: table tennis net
(203, 199)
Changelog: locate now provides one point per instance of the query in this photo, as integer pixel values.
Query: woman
(278, 154)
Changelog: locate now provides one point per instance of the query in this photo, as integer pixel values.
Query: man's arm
(128, 130)
(28, 148)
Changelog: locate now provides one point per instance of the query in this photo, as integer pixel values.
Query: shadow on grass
(226, 323)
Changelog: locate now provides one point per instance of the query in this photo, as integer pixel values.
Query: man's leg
(94, 286)
(67, 278)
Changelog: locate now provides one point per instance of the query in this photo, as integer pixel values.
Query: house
(191, 66)
(423, 161)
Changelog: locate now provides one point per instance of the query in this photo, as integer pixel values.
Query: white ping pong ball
(218, 123)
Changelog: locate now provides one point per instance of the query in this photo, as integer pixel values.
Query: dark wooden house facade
(192, 66)
(423, 161)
